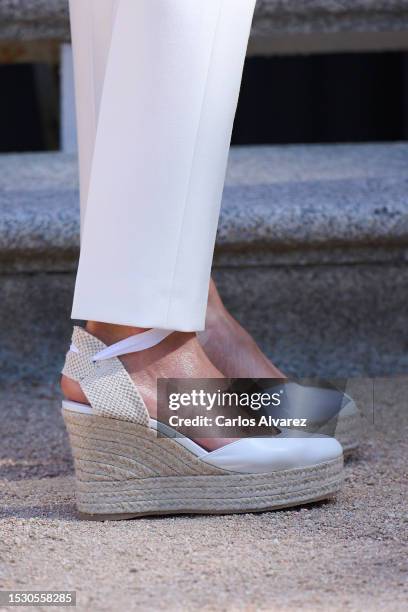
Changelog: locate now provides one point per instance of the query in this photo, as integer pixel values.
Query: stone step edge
(25, 20)
(287, 204)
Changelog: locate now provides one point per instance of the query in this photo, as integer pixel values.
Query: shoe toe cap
(263, 455)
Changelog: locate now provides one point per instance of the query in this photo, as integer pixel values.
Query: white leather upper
(263, 455)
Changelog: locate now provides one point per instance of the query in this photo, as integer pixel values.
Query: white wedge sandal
(125, 470)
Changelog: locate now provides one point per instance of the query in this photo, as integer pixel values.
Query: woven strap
(106, 383)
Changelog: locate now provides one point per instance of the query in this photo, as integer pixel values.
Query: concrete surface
(36, 19)
(311, 257)
(277, 199)
(344, 555)
(306, 16)
(313, 320)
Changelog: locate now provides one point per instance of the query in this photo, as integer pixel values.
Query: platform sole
(125, 471)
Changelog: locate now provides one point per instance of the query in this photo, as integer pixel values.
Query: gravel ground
(348, 554)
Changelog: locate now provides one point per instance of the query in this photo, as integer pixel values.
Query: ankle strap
(107, 385)
(133, 344)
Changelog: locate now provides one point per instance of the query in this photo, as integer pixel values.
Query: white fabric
(157, 84)
(133, 344)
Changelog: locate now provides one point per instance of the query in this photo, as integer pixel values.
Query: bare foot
(178, 356)
(229, 347)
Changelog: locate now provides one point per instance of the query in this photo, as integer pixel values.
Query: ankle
(110, 333)
(216, 311)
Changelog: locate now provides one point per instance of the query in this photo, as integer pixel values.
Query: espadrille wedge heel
(124, 469)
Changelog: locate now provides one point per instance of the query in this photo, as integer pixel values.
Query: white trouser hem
(157, 85)
(142, 320)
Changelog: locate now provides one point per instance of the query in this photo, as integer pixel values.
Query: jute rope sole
(124, 471)
(348, 432)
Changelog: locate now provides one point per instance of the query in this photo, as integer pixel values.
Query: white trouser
(157, 84)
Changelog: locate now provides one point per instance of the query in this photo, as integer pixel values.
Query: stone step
(311, 255)
(48, 19)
